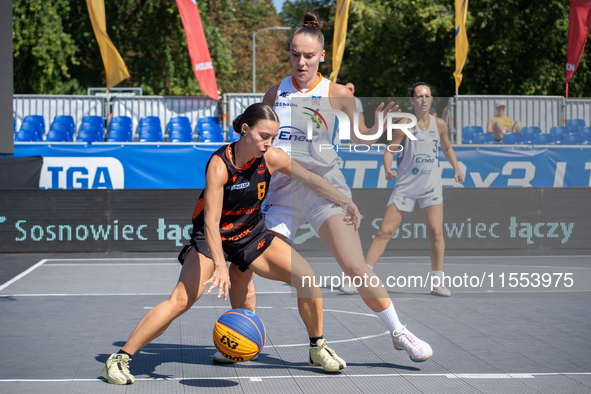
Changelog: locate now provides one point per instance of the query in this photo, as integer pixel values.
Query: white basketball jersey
(294, 116)
(418, 164)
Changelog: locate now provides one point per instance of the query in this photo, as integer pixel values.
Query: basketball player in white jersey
(418, 179)
(291, 204)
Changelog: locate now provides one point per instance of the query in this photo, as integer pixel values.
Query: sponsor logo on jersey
(284, 94)
(423, 159)
(415, 171)
(261, 244)
(227, 226)
(280, 104)
(261, 169)
(289, 133)
(316, 100)
(239, 186)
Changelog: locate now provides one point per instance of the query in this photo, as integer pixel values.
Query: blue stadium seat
(483, 138)
(91, 132)
(513, 139)
(557, 133)
(59, 134)
(65, 120)
(528, 133)
(210, 123)
(26, 135)
(233, 135)
(121, 120)
(34, 126)
(543, 139)
(150, 133)
(468, 133)
(574, 124)
(211, 136)
(180, 136)
(151, 120)
(94, 119)
(179, 120)
(585, 135)
(36, 118)
(571, 138)
(119, 133)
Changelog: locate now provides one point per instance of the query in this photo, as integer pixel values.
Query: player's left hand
(352, 215)
(459, 177)
(390, 108)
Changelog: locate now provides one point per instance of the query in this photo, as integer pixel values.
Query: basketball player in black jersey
(228, 225)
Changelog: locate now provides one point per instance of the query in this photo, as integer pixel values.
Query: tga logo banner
(82, 173)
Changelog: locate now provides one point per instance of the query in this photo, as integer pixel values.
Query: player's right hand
(390, 175)
(220, 279)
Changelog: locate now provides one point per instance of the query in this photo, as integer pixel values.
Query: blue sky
(278, 4)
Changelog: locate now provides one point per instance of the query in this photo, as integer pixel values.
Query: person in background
(500, 124)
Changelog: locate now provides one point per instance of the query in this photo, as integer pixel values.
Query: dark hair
(416, 85)
(311, 26)
(252, 115)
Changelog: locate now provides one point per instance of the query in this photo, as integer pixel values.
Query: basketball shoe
(116, 369)
(417, 349)
(349, 289)
(323, 356)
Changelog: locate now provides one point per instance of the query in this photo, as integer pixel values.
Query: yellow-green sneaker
(323, 356)
(116, 369)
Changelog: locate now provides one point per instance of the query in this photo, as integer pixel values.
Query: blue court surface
(62, 315)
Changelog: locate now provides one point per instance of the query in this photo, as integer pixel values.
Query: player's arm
(448, 151)
(278, 160)
(269, 97)
(342, 99)
(398, 137)
(215, 179)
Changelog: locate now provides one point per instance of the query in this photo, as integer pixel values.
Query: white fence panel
(49, 106)
(236, 103)
(164, 107)
(579, 109)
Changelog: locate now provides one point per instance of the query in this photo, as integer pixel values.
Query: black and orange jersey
(244, 191)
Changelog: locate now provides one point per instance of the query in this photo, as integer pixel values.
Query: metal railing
(233, 104)
(164, 107)
(50, 106)
(542, 111)
(579, 109)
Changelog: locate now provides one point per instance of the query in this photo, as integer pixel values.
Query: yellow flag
(340, 35)
(114, 66)
(461, 39)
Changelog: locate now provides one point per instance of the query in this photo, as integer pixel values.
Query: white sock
(390, 318)
(371, 267)
(438, 274)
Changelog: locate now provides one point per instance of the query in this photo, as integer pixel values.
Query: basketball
(239, 335)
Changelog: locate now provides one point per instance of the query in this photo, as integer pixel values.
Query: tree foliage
(515, 47)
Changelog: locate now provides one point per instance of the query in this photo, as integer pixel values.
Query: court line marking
(531, 375)
(23, 274)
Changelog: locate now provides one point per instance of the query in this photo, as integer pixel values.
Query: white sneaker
(116, 369)
(441, 291)
(417, 350)
(349, 290)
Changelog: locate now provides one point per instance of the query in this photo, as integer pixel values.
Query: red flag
(198, 50)
(579, 24)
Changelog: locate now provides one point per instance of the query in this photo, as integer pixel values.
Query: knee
(181, 302)
(356, 270)
(436, 235)
(386, 232)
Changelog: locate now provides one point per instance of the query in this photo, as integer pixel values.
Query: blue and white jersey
(418, 164)
(294, 116)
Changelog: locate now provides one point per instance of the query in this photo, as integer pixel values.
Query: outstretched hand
(392, 107)
(352, 215)
(220, 279)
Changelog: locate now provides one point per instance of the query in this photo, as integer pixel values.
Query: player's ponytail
(252, 115)
(311, 26)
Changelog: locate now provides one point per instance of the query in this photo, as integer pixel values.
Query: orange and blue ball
(239, 335)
